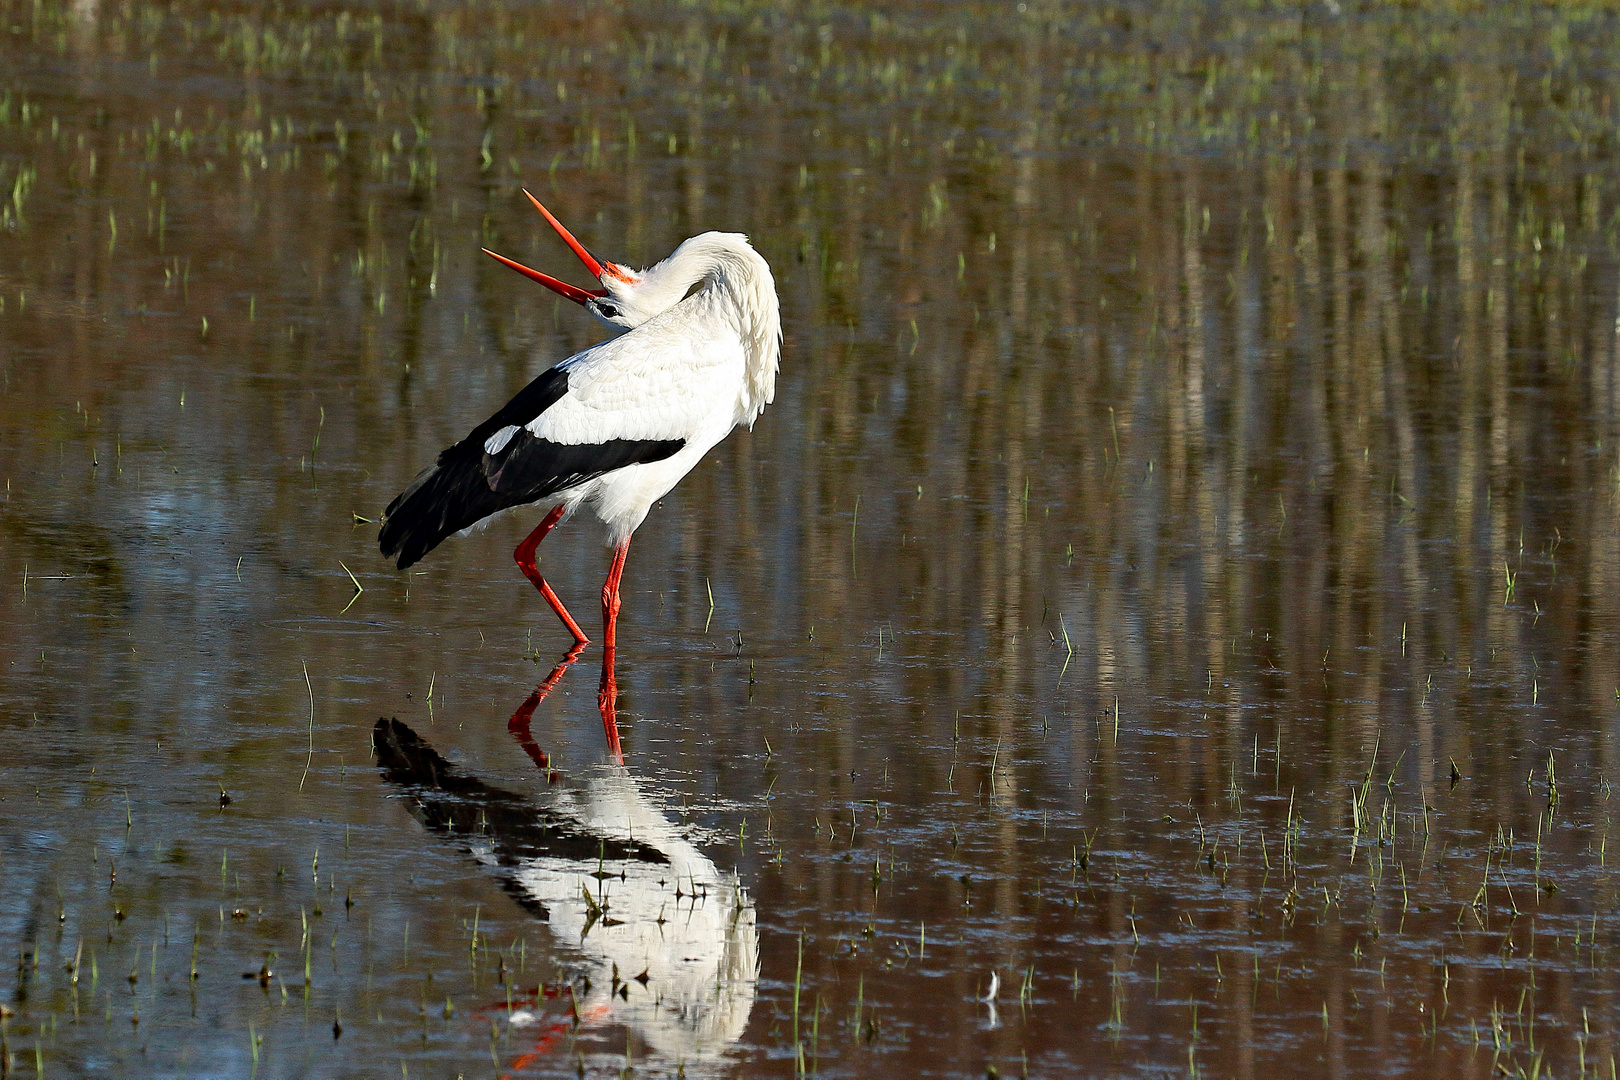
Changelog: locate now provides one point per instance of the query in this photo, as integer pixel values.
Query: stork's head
(627, 297)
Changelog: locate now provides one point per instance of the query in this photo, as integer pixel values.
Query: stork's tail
(446, 497)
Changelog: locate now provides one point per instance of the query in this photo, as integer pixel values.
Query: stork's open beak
(561, 288)
(598, 268)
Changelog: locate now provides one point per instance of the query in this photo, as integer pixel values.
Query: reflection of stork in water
(667, 941)
(613, 428)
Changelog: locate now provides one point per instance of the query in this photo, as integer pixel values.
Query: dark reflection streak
(417, 296)
(1466, 227)
(1502, 629)
(1237, 596)
(497, 330)
(1603, 570)
(696, 48)
(1410, 622)
(635, 195)
(1473, 250)
(1307, 632)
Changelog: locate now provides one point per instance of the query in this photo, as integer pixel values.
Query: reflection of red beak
(597, 268)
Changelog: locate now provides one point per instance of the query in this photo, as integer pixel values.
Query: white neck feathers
(737, 286)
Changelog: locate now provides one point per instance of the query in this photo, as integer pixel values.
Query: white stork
(616, 426)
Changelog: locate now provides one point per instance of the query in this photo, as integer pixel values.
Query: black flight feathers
(467, 484)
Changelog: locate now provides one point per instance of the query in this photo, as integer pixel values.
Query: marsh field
(1177, 585)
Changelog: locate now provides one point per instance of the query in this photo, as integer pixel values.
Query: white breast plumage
(615, 427)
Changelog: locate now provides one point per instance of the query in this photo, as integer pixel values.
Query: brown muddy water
(1176, 584)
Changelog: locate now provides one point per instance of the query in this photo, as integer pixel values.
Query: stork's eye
(607, 309)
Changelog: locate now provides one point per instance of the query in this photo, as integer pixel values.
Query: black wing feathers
(467, 484)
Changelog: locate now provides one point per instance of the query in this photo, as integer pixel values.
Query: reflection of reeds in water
(667, 941)
(1217, 382)
(1346, 285)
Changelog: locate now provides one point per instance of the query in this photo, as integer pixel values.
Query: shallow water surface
(1175, 587)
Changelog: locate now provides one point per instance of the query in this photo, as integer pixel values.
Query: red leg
(519, 725)
(608, 695)
(526, 562)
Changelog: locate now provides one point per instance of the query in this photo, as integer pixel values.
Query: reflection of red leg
(526, 562)
(608, 695)
(542, 1047)
(519, 724)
